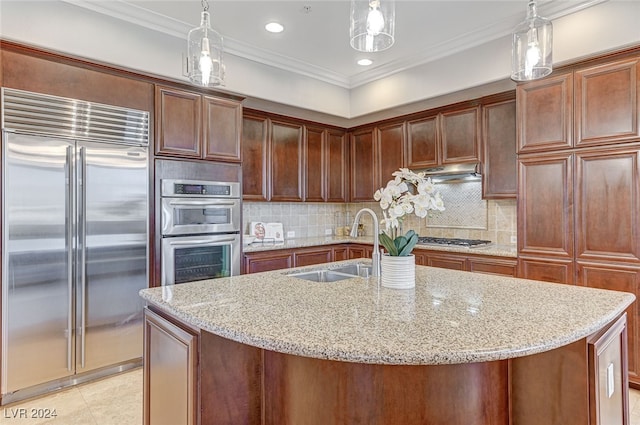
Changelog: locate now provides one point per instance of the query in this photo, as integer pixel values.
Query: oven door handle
(202, 241)
(202, 203)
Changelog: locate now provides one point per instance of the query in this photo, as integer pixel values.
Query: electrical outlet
(514, 239)
(291, 234)
(328, 232)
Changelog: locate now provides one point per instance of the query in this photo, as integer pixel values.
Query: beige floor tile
(116, 400)
(68, 407)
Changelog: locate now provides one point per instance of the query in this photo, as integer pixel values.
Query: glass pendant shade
(205, 54)
(372, 27)
(532, 47)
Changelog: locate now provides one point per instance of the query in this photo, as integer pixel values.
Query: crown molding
(552, 9)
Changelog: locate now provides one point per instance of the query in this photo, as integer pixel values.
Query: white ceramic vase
(398, 272)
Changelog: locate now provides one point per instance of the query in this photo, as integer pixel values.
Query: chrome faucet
(375, 256)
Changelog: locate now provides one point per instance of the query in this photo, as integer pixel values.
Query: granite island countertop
(490, 249)
(450, 317)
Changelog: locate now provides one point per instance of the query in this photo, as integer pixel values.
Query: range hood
(454, 172)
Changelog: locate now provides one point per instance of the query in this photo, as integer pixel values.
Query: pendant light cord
(205, 5)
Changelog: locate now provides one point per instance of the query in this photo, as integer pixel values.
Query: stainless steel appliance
(469, 243)
(74, 246)
(200, 230)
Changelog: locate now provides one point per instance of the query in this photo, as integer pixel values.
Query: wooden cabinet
(545, 206)
(360, 251)
(506, 267)
(608, 381)
(606, 103)
(545, 111)
(617, 278)
(460, 135)
(445, 261)
(255, 158)
(588, 106)
(363, 165)
(311, 256)
(608, 204)
(423, 149)
(390, 151)
(221, 129)
(447, 137)
(500, 163)
(170, 372)
(286, 161)
(264, 261)
(326, 165)
(376, 153)
(192, 125)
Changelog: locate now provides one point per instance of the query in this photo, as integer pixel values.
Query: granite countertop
(491, 249)
(450, 317)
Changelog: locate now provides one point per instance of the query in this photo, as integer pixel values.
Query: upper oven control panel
(200, 189)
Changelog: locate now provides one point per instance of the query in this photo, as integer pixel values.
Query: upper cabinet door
(461, 136)
(607, 103)
(178, 122)
(286, 161)
(390, 150)
(337, 157)
(423, 149)
(363, 165)
(544, 111)
(222, 124)
(255, 158)
(500, 174)
(315, 159)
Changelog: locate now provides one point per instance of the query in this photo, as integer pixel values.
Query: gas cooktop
(470, 243)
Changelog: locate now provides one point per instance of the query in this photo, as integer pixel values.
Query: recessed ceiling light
(365, 62)
(274, 27)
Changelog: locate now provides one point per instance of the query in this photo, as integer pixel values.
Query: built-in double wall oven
(200, 224)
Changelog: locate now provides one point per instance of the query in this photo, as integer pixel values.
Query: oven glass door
(191, 258)
(182, 216)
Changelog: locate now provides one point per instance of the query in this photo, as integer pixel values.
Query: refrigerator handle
(82, 236)
(69, 243)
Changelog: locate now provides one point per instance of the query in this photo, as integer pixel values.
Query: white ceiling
(316, 38)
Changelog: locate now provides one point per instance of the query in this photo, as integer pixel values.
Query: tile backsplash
(496, 223)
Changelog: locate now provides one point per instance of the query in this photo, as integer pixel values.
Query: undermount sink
(335, 274)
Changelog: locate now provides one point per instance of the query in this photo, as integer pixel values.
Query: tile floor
(111, 401)
(118, 401)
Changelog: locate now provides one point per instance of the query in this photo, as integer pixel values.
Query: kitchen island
(460, 348)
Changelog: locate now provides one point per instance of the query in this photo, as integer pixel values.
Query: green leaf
(411, 243)
(388, 243)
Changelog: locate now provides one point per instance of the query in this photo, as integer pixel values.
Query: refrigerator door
(37, 337)
(112, 253)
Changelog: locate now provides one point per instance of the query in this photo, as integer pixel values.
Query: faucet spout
(375, 256)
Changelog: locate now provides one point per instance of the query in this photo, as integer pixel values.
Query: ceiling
(315, 41)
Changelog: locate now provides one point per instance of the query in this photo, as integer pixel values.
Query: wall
(75, 30)
(309, 219)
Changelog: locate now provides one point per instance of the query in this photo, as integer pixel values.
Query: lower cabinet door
(170, 372)
(608, 383)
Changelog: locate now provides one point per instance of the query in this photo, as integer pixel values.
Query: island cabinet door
(618, 278)
(608, 385)
(170, 372)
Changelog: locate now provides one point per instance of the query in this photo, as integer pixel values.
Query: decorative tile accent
(465, 208)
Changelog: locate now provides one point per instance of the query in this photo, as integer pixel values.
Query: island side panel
(551, 388)
(230, 382)
(307, 391)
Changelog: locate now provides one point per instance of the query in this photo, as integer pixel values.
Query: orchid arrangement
(409, 192)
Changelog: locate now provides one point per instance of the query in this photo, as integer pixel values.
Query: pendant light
(372, 27)
(205, 67)
(532, 47)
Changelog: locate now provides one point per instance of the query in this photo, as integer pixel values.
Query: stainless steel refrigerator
(74, 245)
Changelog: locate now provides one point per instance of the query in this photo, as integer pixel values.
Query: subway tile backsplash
(311, 219)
